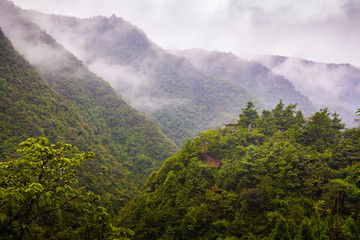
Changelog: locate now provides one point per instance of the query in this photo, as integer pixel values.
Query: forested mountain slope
(168, 88)
(127, 146)
(266, 85)
(274, 176)
(30, 107)
(336, 86)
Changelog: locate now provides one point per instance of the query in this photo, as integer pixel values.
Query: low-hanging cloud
(29, 44)
(135, 87)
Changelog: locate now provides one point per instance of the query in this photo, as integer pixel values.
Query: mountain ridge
(156, 81)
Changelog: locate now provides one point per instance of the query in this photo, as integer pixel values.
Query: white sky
(319, 30)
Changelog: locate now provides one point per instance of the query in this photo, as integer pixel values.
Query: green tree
(349, 230)
(248, 116)
(248, 169)
(40, 196)
(322, 130)
(286, 117)
(266, 124)
(305, 232)
(281, 230)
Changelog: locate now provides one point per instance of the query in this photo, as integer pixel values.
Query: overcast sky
(319, 30)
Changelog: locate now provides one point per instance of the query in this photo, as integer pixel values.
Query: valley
(106, 135)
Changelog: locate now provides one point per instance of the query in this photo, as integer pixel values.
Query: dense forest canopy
(278, 176)
(278, 171)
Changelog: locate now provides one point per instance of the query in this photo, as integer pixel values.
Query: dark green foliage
(281, 231)
(349, 230)
(286, 117)
(305, 232)
(322, 129)
(272, 182)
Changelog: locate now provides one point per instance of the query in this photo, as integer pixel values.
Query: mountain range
(123, 55)
(169, 89)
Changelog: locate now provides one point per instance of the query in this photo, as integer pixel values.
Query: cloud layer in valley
(324, 84)
(322, 30)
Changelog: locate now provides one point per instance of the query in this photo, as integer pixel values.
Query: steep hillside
(274, 176)
(127, 145)
(168, 88)
(31, 108)
(336, 86)
(266, 85)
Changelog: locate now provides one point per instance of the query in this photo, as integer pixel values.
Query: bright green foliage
(40, 196)
(275, 180)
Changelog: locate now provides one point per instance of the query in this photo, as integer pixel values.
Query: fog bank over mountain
(323, 30)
